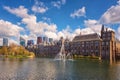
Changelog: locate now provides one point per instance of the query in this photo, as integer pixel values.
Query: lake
(50, 69)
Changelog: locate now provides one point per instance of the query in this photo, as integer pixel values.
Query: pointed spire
(102, 29)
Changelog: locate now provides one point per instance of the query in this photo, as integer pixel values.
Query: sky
(56, 18)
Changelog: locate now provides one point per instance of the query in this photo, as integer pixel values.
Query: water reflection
(48, 69)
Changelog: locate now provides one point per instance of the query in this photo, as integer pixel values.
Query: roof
(88, 37)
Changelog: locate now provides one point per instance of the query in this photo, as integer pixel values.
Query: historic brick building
(105, 46)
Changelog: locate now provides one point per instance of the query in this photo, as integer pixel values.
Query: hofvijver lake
(50, 69)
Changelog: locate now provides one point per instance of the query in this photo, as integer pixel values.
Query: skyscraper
(5, 41)
(22, 41)
(39, 40)
(50, 40)
(45, 39)
(30, 42)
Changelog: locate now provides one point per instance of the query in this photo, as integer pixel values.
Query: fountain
(62, 55)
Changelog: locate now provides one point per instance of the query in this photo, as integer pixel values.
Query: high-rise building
(30, 42)
(50, 40)
(39, 40)
(22, 41)
(5, 41)
(45, 39)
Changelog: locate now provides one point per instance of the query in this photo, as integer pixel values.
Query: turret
(102, 29)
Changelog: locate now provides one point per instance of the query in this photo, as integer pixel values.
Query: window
(91, 50)
(82, 50)
(109, 34)
(82, 45)
(96, 47)
(103, 43)
(87, 42)
(82, 42)
(91, 42)
(103, 35)
(96, 43)
(109, 38)
(86, 50)
(107, 48)
(107, 43)
(102, 48)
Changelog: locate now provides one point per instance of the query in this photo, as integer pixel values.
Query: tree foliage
(15, 50)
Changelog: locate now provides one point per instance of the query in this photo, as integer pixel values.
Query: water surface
(50, 69)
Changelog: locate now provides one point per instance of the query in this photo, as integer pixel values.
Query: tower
(5, 41)
(22, 41)
(108, 44)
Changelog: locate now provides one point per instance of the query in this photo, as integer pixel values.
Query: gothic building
(105, 46)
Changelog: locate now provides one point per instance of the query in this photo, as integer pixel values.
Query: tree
(4, 50)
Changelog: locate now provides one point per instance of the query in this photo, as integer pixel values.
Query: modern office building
(45, 39)
(39, 40)
(22, 41)
(30, 42)
(50, 40)
(5, 41)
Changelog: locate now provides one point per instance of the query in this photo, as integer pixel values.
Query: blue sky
(56, 18)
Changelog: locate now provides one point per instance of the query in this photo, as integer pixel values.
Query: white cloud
(7, 29)
(20, 12)
(118, 33)
(93, 25)
(51, 34)
(119, 30)
(112, 15)
(78, 13)
(77, 31)
(58, 3)
(118, 2)
(12, 41)
(46, 19)
(63, 1)
(39, 7)
(86, 31)
(50, 30)
(31, 23)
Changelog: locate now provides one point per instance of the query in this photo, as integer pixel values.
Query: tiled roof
(88, 37)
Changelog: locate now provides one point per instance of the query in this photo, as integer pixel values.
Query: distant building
(22, 41)
(39, 40)
(45, 39)
(5, 41)
(30, 42)
(50, 40)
